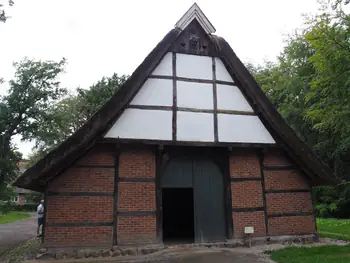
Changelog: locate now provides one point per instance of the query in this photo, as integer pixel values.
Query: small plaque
(249, 230)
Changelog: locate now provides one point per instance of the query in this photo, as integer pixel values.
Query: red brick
(285, 180)
(84, 180)
(99, 155)
(137, 164)
(244, 163)
(136, 196)
(245, 219)
(79, 209)
(288, 203)
(246, 194)
(136, 230)
(292, 225)
(78, 236)
(276, 158)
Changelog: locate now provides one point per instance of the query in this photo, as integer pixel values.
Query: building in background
(21, 194)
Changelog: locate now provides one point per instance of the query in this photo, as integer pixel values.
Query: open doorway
(178, 215)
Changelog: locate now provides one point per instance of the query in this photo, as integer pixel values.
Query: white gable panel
(194, 95)
(196, 67)
(231, 98)
(156, 92)
(221, 71)
(143, 124)
(195, 126)
(242, 128)
(165, 67)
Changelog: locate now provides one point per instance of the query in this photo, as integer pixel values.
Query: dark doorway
(178, 215)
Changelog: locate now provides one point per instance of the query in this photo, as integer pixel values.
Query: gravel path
(17, 232)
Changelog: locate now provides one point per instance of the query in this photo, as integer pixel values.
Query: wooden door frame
(220, 156)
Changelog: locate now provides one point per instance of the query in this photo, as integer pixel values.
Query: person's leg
(38, 229)
(40, 222)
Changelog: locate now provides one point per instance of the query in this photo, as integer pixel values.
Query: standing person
(40, 212)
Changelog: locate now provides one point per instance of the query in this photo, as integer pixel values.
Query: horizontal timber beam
(278, 167)
(52, 193)
(136, 180)
(169, 108)
(287, 191)
(136, 213)
(207, 81)
(290, 214)
(244, 179)
(79, 224)
(93, 166)
(248, 209)
(189, 143)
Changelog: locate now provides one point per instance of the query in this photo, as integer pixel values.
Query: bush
(332, 201)
(8, 206)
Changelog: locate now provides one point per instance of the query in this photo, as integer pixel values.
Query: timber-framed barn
(189, 149)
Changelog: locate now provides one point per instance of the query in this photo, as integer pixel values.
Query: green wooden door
(206, 179)
(210, 224)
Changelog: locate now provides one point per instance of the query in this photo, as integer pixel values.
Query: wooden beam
(174, 121)
(115, 199)
(171, 108)
(261, 163)
(215, 102)
(195, 80)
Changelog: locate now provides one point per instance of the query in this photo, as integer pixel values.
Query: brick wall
(136, 193)
(288, 198)
(80, 204)
(287, 193)
(291, 225)
(136, 230)
(82, 195)
(246, 193)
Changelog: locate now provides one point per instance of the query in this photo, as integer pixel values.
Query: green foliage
(7, 193)
(310, 87)
(31, 92)
(321, 254)
(66, 116)
(3, 16)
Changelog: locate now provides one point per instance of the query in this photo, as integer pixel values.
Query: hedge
(7, 207)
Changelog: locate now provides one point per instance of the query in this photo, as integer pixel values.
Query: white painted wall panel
(194, 95)
(231, 98)
(221, 71)
(242, 128)
(165, 67)
(143, 124)
(158, 92)
(195, 126)
(191, 66)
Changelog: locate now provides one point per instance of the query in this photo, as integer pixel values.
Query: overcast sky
(101, 37)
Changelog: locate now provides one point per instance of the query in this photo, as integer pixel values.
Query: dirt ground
(183, 255)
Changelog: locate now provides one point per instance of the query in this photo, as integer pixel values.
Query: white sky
(101, 37)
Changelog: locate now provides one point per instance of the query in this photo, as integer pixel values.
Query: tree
(66, 116)
(3, 16)
(32, 91)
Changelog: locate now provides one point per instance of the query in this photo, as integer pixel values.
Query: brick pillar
(247, 192)
(136, 197)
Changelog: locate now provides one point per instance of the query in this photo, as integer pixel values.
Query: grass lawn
(334, 228)
(322, 254)
(12, 216)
